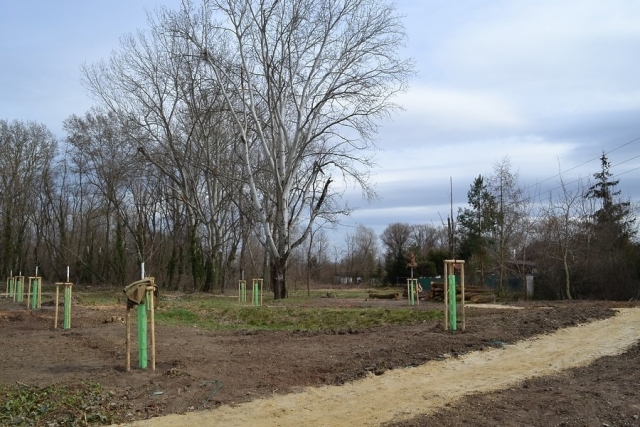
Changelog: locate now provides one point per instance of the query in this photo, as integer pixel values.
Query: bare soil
(204, 370)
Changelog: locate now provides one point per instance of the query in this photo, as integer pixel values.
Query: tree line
(577, 242)
(223, 138)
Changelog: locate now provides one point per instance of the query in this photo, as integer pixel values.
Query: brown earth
(202, 370)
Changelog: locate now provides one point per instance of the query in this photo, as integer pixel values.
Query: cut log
(385, 296)
(482, 299)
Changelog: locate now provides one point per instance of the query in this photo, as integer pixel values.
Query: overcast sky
(548, 84)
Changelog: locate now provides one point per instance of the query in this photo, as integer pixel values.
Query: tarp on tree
(136, 292)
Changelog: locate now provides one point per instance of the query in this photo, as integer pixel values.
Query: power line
(588, 161)
(565, 185)
(630, 170)
(580, 179)
(625, 161)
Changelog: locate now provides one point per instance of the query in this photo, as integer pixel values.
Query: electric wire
(565, 185)
(559, 174)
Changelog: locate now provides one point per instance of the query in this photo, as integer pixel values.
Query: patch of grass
(90, 297)
(220, 313)
(301, 295)
(80, 405)
(297, 312)
(177, 316)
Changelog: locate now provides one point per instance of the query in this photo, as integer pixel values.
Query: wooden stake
(128, 343)
(464, 319)
(150, 290)
(55, 321)
(29, 294)
(445, 282)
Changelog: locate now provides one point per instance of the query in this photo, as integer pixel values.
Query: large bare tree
(162, 94)
(306, 82)
(27, 150)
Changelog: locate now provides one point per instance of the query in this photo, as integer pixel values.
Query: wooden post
(29, 293)
(445, 283)
(55, 319)
(128, 343)
(464, 319)
(150, 295)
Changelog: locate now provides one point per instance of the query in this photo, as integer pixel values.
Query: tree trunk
(567, 276)
(278, 267)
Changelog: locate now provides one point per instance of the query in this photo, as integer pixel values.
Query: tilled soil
(199, 369)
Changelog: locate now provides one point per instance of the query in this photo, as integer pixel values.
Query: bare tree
(27, 150)
(427, 237)
(396, 239)
(561, 226)
(366, 251)
(305, 82)
(511, 205)
(101, 153)
(161, 93)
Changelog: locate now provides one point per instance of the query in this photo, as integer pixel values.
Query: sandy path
(403, 393)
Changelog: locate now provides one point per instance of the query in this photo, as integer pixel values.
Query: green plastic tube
(256, 295)
(11, 287)
(67, 307)
(19, 290)
(453, 321)
(142, 336)
(34, 294)
(413, 294)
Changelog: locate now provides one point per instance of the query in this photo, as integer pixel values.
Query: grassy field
(298, 312)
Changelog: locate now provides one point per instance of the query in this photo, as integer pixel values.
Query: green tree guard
(256, 294)
(412, 291)
(453, 323)
(67, 307)
(142, 336)
(242, 291)
(11, 287)
(19, 290)
(34, 292)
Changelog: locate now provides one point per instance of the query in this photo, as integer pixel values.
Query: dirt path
(404, 393)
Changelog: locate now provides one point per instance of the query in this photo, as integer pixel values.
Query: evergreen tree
(613, 218)
(477, 224)
(611, 271)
